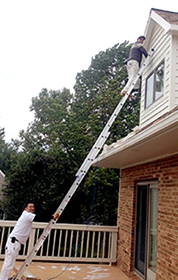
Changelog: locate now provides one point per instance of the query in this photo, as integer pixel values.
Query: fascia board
(170, 29)
(173, 30)
(162, 22)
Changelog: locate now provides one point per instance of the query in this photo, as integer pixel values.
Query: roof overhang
(154, 19)
(173, 29)
(156, 141)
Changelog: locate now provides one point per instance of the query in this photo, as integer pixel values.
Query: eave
(155, 18)
(155, 142)
(172, 30)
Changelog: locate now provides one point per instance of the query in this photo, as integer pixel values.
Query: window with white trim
(154, 85)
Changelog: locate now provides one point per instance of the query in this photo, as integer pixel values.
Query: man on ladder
(85, 166)
(134, 62)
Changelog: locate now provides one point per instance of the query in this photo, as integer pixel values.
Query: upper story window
(154, 85)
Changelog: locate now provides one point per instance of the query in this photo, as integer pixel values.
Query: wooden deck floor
(45, 271)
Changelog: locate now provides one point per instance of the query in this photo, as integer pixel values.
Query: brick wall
(166, 171)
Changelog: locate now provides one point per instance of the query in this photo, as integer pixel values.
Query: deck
(90, 258)
(75, 271)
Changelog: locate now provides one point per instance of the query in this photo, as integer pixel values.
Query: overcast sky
(44, 44)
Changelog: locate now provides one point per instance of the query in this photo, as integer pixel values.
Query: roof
(166, 19)
(155, 141)
(170, 17)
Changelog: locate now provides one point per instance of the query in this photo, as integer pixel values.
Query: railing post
(114, 248)
(100, 244)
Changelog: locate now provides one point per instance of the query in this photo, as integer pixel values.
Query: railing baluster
(71, 241)
(65, 244)
(54, 242)
(88, 240)
(109, 245)
(104, 240)
(60, 238)
(2, 238)
(81, 251)
(93, 244)
(98, 245)
(76, 243)
(48, 243)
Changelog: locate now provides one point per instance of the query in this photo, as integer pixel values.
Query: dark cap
(141, 37)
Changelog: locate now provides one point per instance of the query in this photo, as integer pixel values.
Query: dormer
(160, 77)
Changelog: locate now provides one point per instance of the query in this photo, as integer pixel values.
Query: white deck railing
(67, 241)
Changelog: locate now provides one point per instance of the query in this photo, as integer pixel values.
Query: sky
(45, 43)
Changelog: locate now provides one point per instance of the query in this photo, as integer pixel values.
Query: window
(154, 85)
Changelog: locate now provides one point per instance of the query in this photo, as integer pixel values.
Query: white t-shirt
(23, 227)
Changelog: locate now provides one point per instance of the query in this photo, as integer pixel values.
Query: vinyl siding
(162, 44)
(176, 69)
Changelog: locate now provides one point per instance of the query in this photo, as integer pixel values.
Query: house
(148, 163)
(2, 184)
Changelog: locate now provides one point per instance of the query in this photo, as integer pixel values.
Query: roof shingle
(171, 17)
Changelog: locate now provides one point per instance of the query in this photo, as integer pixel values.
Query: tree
(97, 93)
(96, 96)
(38, 172)
(64, 130)
(6, 152)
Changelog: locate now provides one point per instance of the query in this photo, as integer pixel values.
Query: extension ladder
(81, 173)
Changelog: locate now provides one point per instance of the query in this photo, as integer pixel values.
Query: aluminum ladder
(81, 173)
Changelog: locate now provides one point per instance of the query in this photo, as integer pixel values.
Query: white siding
(162, 44)
(174, 95)
(176, 74)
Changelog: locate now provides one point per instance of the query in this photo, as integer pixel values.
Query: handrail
(99, 243)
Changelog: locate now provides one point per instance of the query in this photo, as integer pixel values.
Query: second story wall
(174, 72)
(162, 53)
(165, 47)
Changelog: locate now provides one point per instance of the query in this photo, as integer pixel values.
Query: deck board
(75, 271)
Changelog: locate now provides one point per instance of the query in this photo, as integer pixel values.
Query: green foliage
(97, 94)
(6, 152)
(106, 182)
(55, 144)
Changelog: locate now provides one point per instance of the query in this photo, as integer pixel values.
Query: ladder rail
(81, 172)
